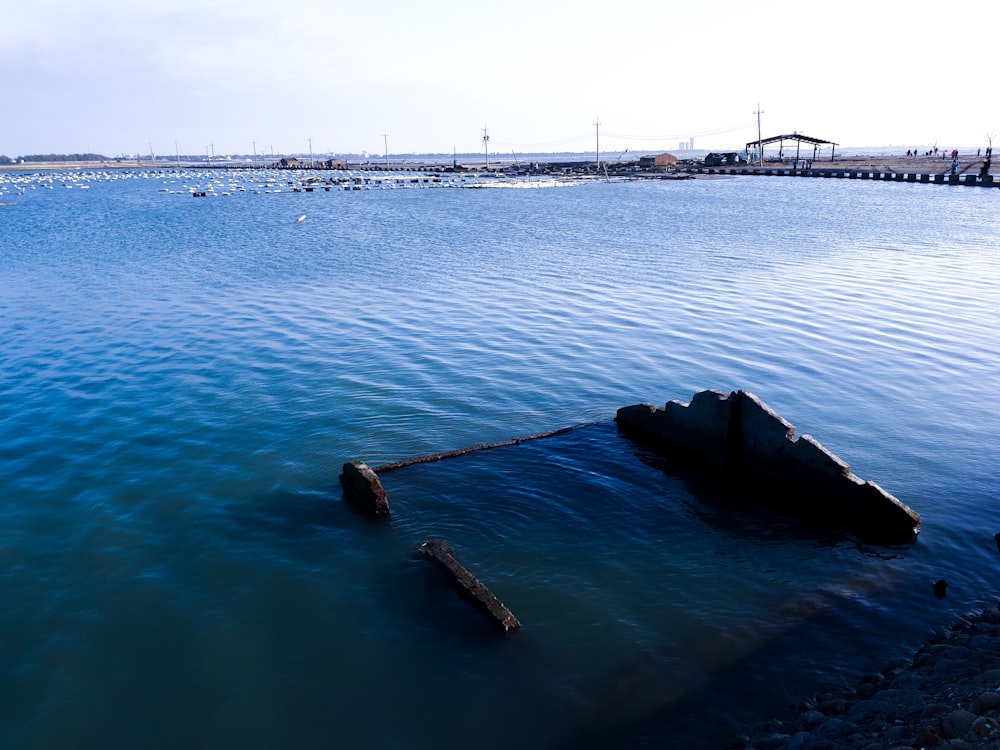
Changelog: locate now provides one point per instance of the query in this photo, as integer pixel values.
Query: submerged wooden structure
(733, 437)
(739, 439)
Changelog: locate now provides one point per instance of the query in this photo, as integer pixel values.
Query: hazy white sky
(119, 76)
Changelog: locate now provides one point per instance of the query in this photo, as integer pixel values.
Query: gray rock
(771, 742)
(958, 652)
(810, 720)
(986, 703)
(832, 706)
(984, 726)
(991, 616)
(835, 728)
(935, 709)
(982, 641)
(992, 676)
(865, 690)
(797, 741)
(898, 734)
(957, 723)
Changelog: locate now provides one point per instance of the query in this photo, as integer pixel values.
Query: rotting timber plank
(469, 587)
(363, 488)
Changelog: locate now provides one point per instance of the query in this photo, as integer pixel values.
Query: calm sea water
(181, 380)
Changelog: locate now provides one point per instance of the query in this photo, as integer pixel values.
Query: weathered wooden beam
(385, 468)
(363, 488)
(468, 586)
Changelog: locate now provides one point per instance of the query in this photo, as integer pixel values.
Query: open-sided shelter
(798, 139)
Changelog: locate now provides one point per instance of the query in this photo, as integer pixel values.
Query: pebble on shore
(946, 696)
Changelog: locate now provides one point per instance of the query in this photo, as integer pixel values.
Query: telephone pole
(486, 146)
(597, 128)
(385, 138)
(760, 146)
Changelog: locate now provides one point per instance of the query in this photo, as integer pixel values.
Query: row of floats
(308, 182)
(213, 182)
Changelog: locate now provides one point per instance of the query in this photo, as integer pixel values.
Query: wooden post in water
(468, 586)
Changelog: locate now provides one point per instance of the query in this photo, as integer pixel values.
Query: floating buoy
(300, 219)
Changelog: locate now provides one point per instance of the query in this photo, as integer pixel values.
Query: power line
(580, 137)
(688, 134)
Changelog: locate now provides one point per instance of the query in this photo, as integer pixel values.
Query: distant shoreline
(885, 158)
(34, 166)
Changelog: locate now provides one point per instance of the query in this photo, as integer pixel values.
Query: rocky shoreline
(946, 696)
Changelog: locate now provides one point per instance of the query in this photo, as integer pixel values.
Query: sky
(333, 77)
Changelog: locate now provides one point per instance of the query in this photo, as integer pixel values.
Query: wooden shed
(652, 161)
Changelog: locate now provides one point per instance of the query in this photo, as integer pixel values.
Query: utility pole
(486, 146)
(254, 152)
(310, 152)
(385, 138)
(177, 152)
(597, 128)
(760, 146)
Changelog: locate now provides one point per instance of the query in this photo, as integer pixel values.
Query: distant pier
(855, 173)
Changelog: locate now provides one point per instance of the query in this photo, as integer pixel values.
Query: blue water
(181, 380)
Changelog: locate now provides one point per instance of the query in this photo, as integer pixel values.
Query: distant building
(658, 161)
(335, 164)
(289, 161)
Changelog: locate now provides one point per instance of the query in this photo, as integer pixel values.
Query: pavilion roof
(790, 137)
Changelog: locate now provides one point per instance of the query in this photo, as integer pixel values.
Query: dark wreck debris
(385, 468)
(363, 488)
(468, 586)
(740, 439)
